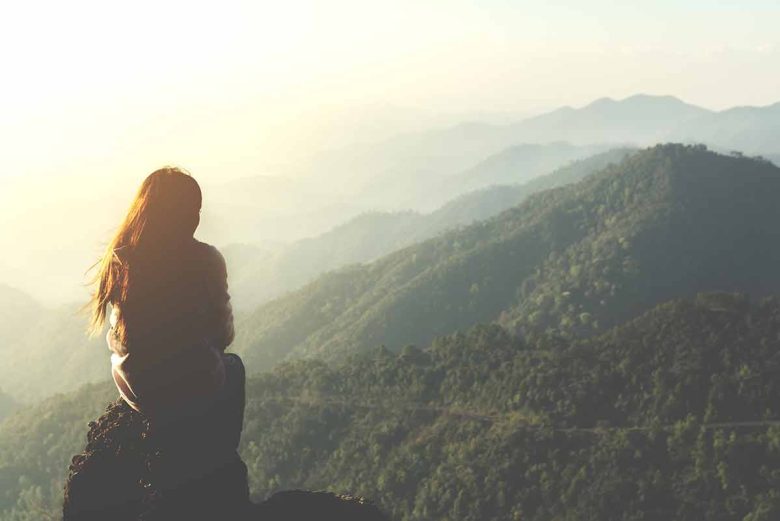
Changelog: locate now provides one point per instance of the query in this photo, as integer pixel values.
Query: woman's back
(180, 321)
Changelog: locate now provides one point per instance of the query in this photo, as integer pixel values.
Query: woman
(171, 318)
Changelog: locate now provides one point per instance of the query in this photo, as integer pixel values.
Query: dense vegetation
(640, 423)
(581, 395)
(36, 445)
(673, 415)
(258, 275)
(667, 222)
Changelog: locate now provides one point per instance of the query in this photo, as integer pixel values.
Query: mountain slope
(673, 415)
(644, 422)
(51, 353)
(666, 222)
(517, 164)
(257, 275)
(18, 311)
(46, 350)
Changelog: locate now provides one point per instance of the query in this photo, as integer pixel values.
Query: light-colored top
(157, 378)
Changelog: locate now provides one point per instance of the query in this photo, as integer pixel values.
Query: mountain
(672, 415)
(272, 209)
(666, 222)
(127, 472)
(50, 352)
(36, 447)
(18, 311)
(258, 274)
(46, 350)
(518, 164)
(406, 171)
(639, 119)
(7, 405)
(751, 130)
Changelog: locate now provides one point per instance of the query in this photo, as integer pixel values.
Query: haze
(96, 95)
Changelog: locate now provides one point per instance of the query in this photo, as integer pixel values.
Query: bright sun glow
(97, 94)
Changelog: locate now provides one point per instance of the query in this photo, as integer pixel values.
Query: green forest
(607, 349)
(664, 223)
(673, 415)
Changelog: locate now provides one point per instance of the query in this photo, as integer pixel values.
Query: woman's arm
(220, 299)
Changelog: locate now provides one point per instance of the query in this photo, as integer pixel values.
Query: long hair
(142, 260)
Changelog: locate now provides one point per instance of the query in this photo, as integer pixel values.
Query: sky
(97, 94)
(233, 87)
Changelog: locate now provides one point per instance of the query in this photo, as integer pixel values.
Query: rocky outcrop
(130, 471)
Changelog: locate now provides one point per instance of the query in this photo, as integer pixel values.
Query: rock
(129, 471)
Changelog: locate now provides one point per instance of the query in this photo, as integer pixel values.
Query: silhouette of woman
(171, 317)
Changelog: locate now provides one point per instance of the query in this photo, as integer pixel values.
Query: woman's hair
(143, 258)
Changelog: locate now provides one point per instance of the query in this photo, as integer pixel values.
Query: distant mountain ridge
(639, 119)
(17, 312)
(47, 351)
(44, 350)
(258, 275)
(751, 130)
(403, 169)
(574, 259)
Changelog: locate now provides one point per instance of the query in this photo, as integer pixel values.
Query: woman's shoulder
(212, 258)
(208, 251)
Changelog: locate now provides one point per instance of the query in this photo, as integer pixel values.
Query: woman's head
(161, 219)
(167, 208)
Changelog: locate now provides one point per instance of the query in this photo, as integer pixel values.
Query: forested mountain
(673, 415)
(258, 275)
(36, 445)
(666, 222)
(46, 351)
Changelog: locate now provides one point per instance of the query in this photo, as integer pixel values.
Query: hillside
(653, 420)
(47, 351)
(258, 275)
(673, 415)
(52, 354)
(7, 405)
(669, 221)
(515, 165)
(18, 311)
(36, 447)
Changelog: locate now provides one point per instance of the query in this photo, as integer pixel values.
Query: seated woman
(171, 317)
